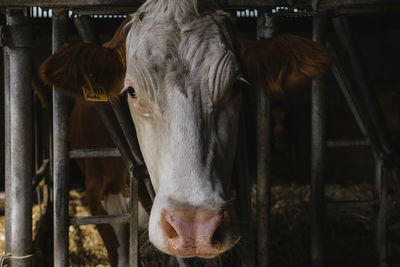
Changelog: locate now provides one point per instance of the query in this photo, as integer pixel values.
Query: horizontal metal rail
(359, 6)
(352, 204)
(94, 153)
(122, 6)
(347, 143)
(101, 219)
(132, 3)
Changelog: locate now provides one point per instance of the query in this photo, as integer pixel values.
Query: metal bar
(107, 120)
(265, 28)
(395, 171)
(366, 95)
(354, 204)
(149, 187)
(103, 219)
(331, 4)
(125, 121)
(349, 94)
(134, 222)
(106, 10)
(263, 186)
(40, 173)
(119, 3)
(337, 4)
(86, 30)
(7, 149)
(243, 195)
(37, 156)
(381, 213)
(60, 153)
(318, 136)
(347, 143)
(94, 153)
(362, 10)
(20, 108)
(36, 133)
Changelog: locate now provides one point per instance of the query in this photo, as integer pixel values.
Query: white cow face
(180, 71)
(180, 78)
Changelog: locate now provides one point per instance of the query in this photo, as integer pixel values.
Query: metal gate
(17, 38)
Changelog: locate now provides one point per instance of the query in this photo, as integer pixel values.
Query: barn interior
(351, 162)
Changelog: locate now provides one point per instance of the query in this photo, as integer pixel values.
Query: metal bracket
(9, 260)
(16, 11)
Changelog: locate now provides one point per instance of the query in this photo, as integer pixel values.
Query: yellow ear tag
(96, 94)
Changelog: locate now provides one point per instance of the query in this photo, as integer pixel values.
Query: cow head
(180, 65)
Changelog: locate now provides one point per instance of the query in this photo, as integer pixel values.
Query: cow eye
(243, 81)
(131, 92)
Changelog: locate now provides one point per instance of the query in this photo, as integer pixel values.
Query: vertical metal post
(318, 119)
(19, 184)
(265, 28)
(381, 212)
(86, 30)
(60, 153)
(7, 149)
(243, 194)
(134, 238)
(263, 176)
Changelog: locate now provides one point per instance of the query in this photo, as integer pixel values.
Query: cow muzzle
(194, 232)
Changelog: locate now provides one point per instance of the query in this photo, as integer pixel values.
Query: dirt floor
(349, 233)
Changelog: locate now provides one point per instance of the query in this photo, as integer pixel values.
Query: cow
(179, 65)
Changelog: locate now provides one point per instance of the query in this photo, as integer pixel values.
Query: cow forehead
(167, 42)
(165, 35)
(183, 54)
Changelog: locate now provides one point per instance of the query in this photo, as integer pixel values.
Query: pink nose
(194, 232)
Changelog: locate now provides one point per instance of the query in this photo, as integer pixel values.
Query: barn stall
(352, 113)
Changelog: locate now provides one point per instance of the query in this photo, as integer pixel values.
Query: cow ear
(84, 65)
(281, 62)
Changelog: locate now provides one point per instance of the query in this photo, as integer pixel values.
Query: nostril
(168, 229)
(218, 236)
(220, 231)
